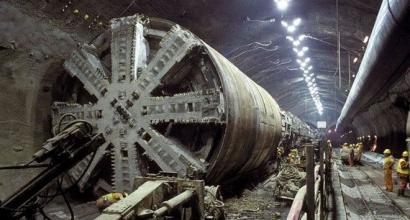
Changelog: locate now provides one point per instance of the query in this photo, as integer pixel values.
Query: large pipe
(386, 57)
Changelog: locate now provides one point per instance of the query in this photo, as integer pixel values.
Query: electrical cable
(44, 214)
(15, 167)
(66, 201)
(77, 180)
(40, 207)
(60, 122)
(58, 129)
(30, 162)
(89, 125)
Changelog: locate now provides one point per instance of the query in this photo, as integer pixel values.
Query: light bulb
(365, 39)
(297, 21)
(291, 28)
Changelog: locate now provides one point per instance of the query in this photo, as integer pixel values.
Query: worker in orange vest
(388, 170)
(403, 172)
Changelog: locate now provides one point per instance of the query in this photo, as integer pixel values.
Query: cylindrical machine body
(168, 101)
(253, 127)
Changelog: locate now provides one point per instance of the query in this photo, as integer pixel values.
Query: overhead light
(366, 39)
(310, 67)
(355, 60)
(305, 49)
(353, 75)
(282, 4)
(307, 59)
(284, 23)
(291, 28)
(296, 43)
(290, 38)
(301, 37)
(297, 21)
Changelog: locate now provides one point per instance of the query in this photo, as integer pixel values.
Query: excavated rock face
(165, 100)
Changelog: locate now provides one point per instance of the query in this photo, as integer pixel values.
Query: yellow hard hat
(405, 154)
(387, 151)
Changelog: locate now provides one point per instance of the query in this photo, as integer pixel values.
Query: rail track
(363, 198)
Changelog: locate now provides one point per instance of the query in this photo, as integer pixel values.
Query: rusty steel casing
(253, 127)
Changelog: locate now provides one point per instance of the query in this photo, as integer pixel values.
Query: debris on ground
(265, 201)
(287, 182)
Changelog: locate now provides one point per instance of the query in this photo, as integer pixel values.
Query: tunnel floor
(363, 193)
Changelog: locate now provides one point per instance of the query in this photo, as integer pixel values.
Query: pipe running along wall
(386, 58)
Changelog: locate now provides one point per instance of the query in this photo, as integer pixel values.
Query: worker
(110, 198)
(403, 172)
(351, 155)
(292, 157)
(388, 170)
(279, 157)
(329, 150)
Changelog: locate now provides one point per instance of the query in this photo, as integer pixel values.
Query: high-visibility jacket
(388, 162)
(402, 167)
(110, 198)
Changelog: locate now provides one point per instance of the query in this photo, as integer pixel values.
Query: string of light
(301, 52)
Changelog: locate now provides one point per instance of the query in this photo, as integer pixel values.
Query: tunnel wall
(386, 120)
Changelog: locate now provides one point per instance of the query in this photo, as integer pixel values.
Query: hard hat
(387, 151)
(328, 141)
(405, 154)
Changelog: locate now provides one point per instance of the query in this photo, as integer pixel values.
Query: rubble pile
(287, 182)
(266, 200)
